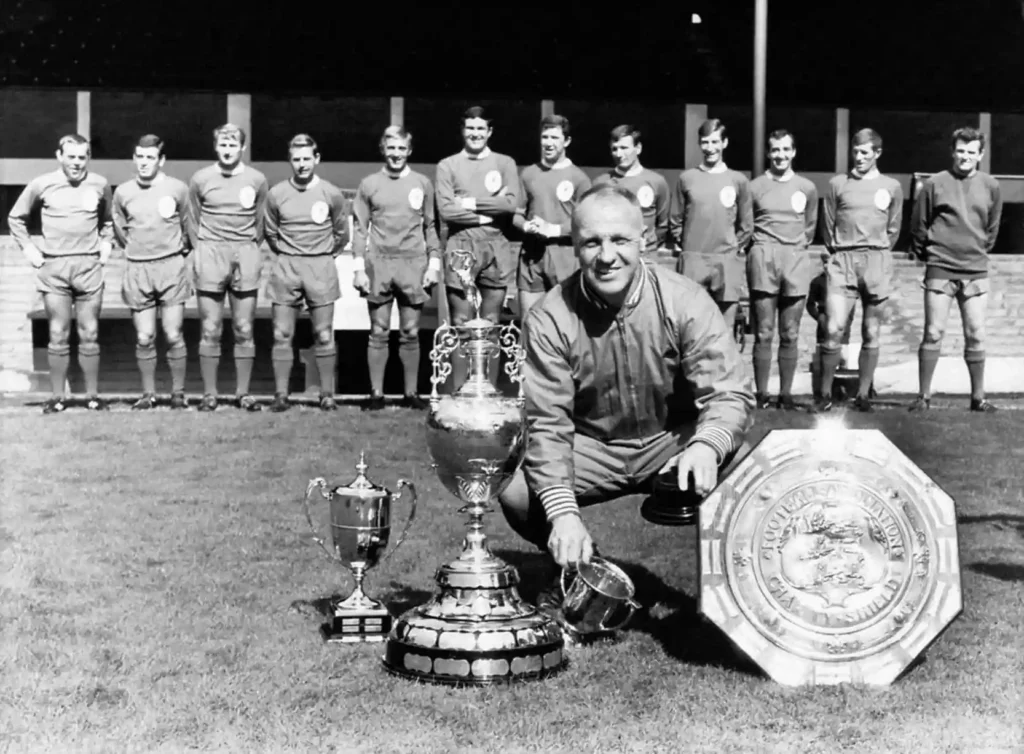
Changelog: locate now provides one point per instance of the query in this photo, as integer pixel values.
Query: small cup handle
(633, 606)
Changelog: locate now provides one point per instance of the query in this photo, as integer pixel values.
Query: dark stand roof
(943, 54)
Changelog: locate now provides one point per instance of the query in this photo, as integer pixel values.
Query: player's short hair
(626, 129)
(605, 191)
(303, 141)
(151, 141)
(710, 127)
(555, 121)
(779, 134)
(396, 132)
(74, 139)
(229, 130)
(967, 134)
(867, 136)
(476, 112)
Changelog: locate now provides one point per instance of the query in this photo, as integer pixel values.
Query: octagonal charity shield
(829, 557)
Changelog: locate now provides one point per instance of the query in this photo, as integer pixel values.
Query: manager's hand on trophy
(361, 282)
(700, 460)
(570, 543)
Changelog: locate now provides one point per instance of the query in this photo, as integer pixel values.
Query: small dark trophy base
(667, 513)
(670, 506)
(352, 627)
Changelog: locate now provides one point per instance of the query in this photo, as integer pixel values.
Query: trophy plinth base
(670, 506)
(666, 512)
(357, 626)
(475, 634)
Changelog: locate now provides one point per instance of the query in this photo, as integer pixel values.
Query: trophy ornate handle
(320, 483)
(403, 485)
(633, 606)
(511, 342)
(446, 340)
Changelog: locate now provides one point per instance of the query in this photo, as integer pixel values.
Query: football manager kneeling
(630, 373)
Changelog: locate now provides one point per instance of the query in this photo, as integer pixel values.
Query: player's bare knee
(242, 330)
(764, 332)
(175, 338)
(88, 332)
(974, 337)
(283, 336)
(324, 336)
(59, 336)
(834, 331)
(146, 339)
(933, 334)
(789, 337)
(410, 333)
(211, 331)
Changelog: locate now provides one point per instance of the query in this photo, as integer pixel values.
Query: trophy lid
(362, 485)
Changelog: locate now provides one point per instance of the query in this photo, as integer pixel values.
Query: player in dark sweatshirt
(477, 194)
(75, 206)
(150, 213)
(306, 226)
(711, 221)
(863, 210)
(785, 210)
(550, 190)
(397, 256)
(650, 188)
(226, 226)
(953, 228)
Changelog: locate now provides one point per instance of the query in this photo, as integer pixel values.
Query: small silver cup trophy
(594, 594)
(360, 526)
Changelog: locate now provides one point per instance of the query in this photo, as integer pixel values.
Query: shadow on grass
(1001, 571)
(668, 615)
(999, 520)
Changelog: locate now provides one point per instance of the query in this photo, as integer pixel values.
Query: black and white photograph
(480, 378)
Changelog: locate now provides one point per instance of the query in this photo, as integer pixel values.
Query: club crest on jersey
(90, 201)
(166, 207)
(564, 191)
(882, 199)
(319, 212)
(798, 202)
(645, 195)
(492, 181)
(416, 198)
(247, 197)
(727, 196)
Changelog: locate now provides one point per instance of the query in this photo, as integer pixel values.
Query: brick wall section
(901, 330)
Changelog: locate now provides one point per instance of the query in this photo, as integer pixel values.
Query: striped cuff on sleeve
(716, 437)
(558, 500)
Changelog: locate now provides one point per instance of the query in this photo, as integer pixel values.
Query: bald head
(608, 234)
(605, 197)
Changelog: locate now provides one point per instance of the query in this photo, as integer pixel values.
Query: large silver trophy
(360, 526)
(477, 630)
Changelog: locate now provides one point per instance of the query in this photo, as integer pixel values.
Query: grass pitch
(157, 577)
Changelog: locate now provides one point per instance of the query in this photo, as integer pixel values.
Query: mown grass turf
(156, 575)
